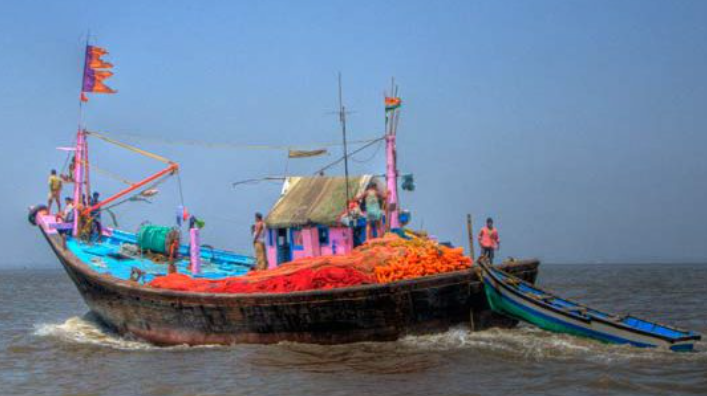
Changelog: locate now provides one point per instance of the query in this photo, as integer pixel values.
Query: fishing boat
(113, 268)
(509, 295)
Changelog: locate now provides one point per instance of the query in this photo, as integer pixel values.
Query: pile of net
(380, 260)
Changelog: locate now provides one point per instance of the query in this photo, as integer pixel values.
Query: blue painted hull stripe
(589, 332)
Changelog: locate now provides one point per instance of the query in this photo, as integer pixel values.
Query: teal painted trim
(508, 307)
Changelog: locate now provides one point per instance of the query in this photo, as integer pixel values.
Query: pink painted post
(310, 238)
(194, 251)
(78, 178)
(272, 256)
(391, 175)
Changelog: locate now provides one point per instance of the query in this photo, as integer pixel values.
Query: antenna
(342, 119)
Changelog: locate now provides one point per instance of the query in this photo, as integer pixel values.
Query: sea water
(50, 345)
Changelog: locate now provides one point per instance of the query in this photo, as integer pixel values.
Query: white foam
(84, 331)
(524, 342)
(535, 344)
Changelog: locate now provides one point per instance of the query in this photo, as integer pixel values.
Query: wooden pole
(470, 231)
(342, 119)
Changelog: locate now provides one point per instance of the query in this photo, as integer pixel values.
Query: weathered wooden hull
(362, 313)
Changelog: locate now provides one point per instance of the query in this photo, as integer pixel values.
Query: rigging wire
(318, 172)
(129, 147)
(228, 145)
(332, 164)
(66, 162)
(181, 191)
(370, 158)
(131, 198)
(109, 174)
(258, 180)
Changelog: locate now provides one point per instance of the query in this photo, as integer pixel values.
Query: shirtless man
(259, 243)
(55, 185)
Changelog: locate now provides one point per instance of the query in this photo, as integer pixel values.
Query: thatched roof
(315, 200)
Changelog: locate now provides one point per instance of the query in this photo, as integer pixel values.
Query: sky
(579, 126)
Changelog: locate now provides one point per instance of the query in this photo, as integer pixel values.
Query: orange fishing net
(416, 258)
(381, 260)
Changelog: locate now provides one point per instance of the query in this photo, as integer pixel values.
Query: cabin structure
(310, 217)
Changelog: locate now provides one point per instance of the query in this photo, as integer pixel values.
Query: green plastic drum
(156, 238)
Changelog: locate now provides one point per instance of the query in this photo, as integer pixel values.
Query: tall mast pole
(391, 161)
(342, 119)
(79, 153)
(78, 178)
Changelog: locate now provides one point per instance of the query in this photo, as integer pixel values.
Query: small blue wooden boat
(513, 297)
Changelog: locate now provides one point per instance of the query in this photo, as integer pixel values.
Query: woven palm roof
(318, 200)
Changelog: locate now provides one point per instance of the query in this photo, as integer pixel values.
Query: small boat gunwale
(580, 312)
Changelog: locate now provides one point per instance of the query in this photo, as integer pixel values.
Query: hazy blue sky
(578, 125)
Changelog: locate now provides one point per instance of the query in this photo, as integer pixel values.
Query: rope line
(262, 179)
(181, 191)
(129, 147)
(132, 196)
(227, 145)
(330, 165)
(110, 174)
(375, 152)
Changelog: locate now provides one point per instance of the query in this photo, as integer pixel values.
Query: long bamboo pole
(470, 231)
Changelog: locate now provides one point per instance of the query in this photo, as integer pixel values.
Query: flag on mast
(95, 72)
(392, 103)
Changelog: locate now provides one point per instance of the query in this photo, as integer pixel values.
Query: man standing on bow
(489, 240)
(259, 243)
(55, 185)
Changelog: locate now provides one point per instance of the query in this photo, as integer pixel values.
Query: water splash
(525, 342)
(531, 343)
(88, 331)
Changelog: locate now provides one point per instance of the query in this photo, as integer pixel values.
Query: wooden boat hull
(362, 313)
(504, 299)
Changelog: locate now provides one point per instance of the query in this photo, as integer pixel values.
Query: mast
(78, 177)
(342, 119)
(391, 160)
(95, 72)
(80, 158)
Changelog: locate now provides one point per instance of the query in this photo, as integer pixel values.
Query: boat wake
(88, 330)
(530, 343)
(525, 342)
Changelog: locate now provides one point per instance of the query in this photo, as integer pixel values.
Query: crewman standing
(259, 243)
(55, 186)
(489, 240)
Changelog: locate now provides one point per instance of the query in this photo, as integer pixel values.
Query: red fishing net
(304, 279)
(381, 260)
